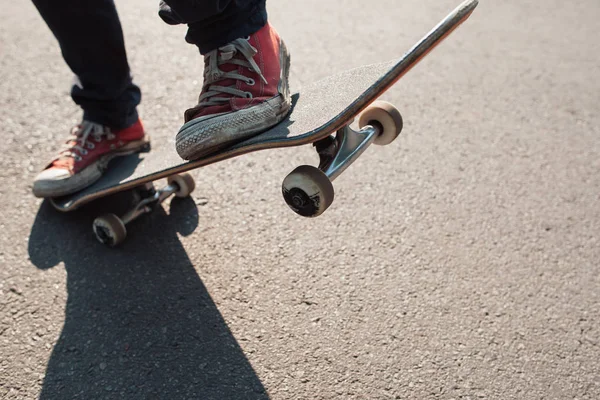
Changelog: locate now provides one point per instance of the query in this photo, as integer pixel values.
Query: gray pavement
(460, 262)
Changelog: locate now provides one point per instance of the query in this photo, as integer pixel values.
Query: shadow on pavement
(139, 322)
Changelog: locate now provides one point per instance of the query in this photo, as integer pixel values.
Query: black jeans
(91, 40)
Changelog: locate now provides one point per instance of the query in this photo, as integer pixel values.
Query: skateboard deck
(318, 110)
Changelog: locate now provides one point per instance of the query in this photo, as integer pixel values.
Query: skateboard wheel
(386, 117)
(185, 183)
(308, 191)
(109, 230)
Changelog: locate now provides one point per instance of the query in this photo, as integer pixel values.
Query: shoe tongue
(227, 67)
(227, 55)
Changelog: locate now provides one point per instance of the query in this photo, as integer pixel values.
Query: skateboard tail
(472, 5)
(417, 53)
(432, 47)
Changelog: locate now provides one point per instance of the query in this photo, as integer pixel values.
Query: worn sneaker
(86, 156)
(245, 92)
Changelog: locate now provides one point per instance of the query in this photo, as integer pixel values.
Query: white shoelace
(212, 74)
(82, 135)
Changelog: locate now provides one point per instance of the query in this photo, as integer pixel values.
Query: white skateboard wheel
(307, 191)
(386, 117)
(185, 183)
(109, 230)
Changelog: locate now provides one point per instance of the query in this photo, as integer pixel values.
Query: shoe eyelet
(91, 146)
(98, 139)
(84, 152)
(248, 95)
(251, 82)
(78, 159)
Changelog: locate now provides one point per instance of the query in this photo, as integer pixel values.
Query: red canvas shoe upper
(90, 141)
(239, 75)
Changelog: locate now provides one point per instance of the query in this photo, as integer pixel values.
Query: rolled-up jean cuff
(110, 120)
(209, 36)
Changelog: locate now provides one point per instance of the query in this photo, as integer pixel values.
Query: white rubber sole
(62, 187)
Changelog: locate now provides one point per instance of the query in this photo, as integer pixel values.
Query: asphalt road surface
(460, 262)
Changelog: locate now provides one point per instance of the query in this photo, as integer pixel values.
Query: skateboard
(321, 115)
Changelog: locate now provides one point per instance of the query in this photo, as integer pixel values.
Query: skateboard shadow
(139, 322)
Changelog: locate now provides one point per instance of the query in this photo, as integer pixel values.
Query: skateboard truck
(308, 190)
(110, 229)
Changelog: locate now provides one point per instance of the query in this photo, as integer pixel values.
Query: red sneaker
(86, 157)
(245, 92)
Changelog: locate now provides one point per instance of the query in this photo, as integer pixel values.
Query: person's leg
(245, 88)
(214, 23)
(91, 40)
